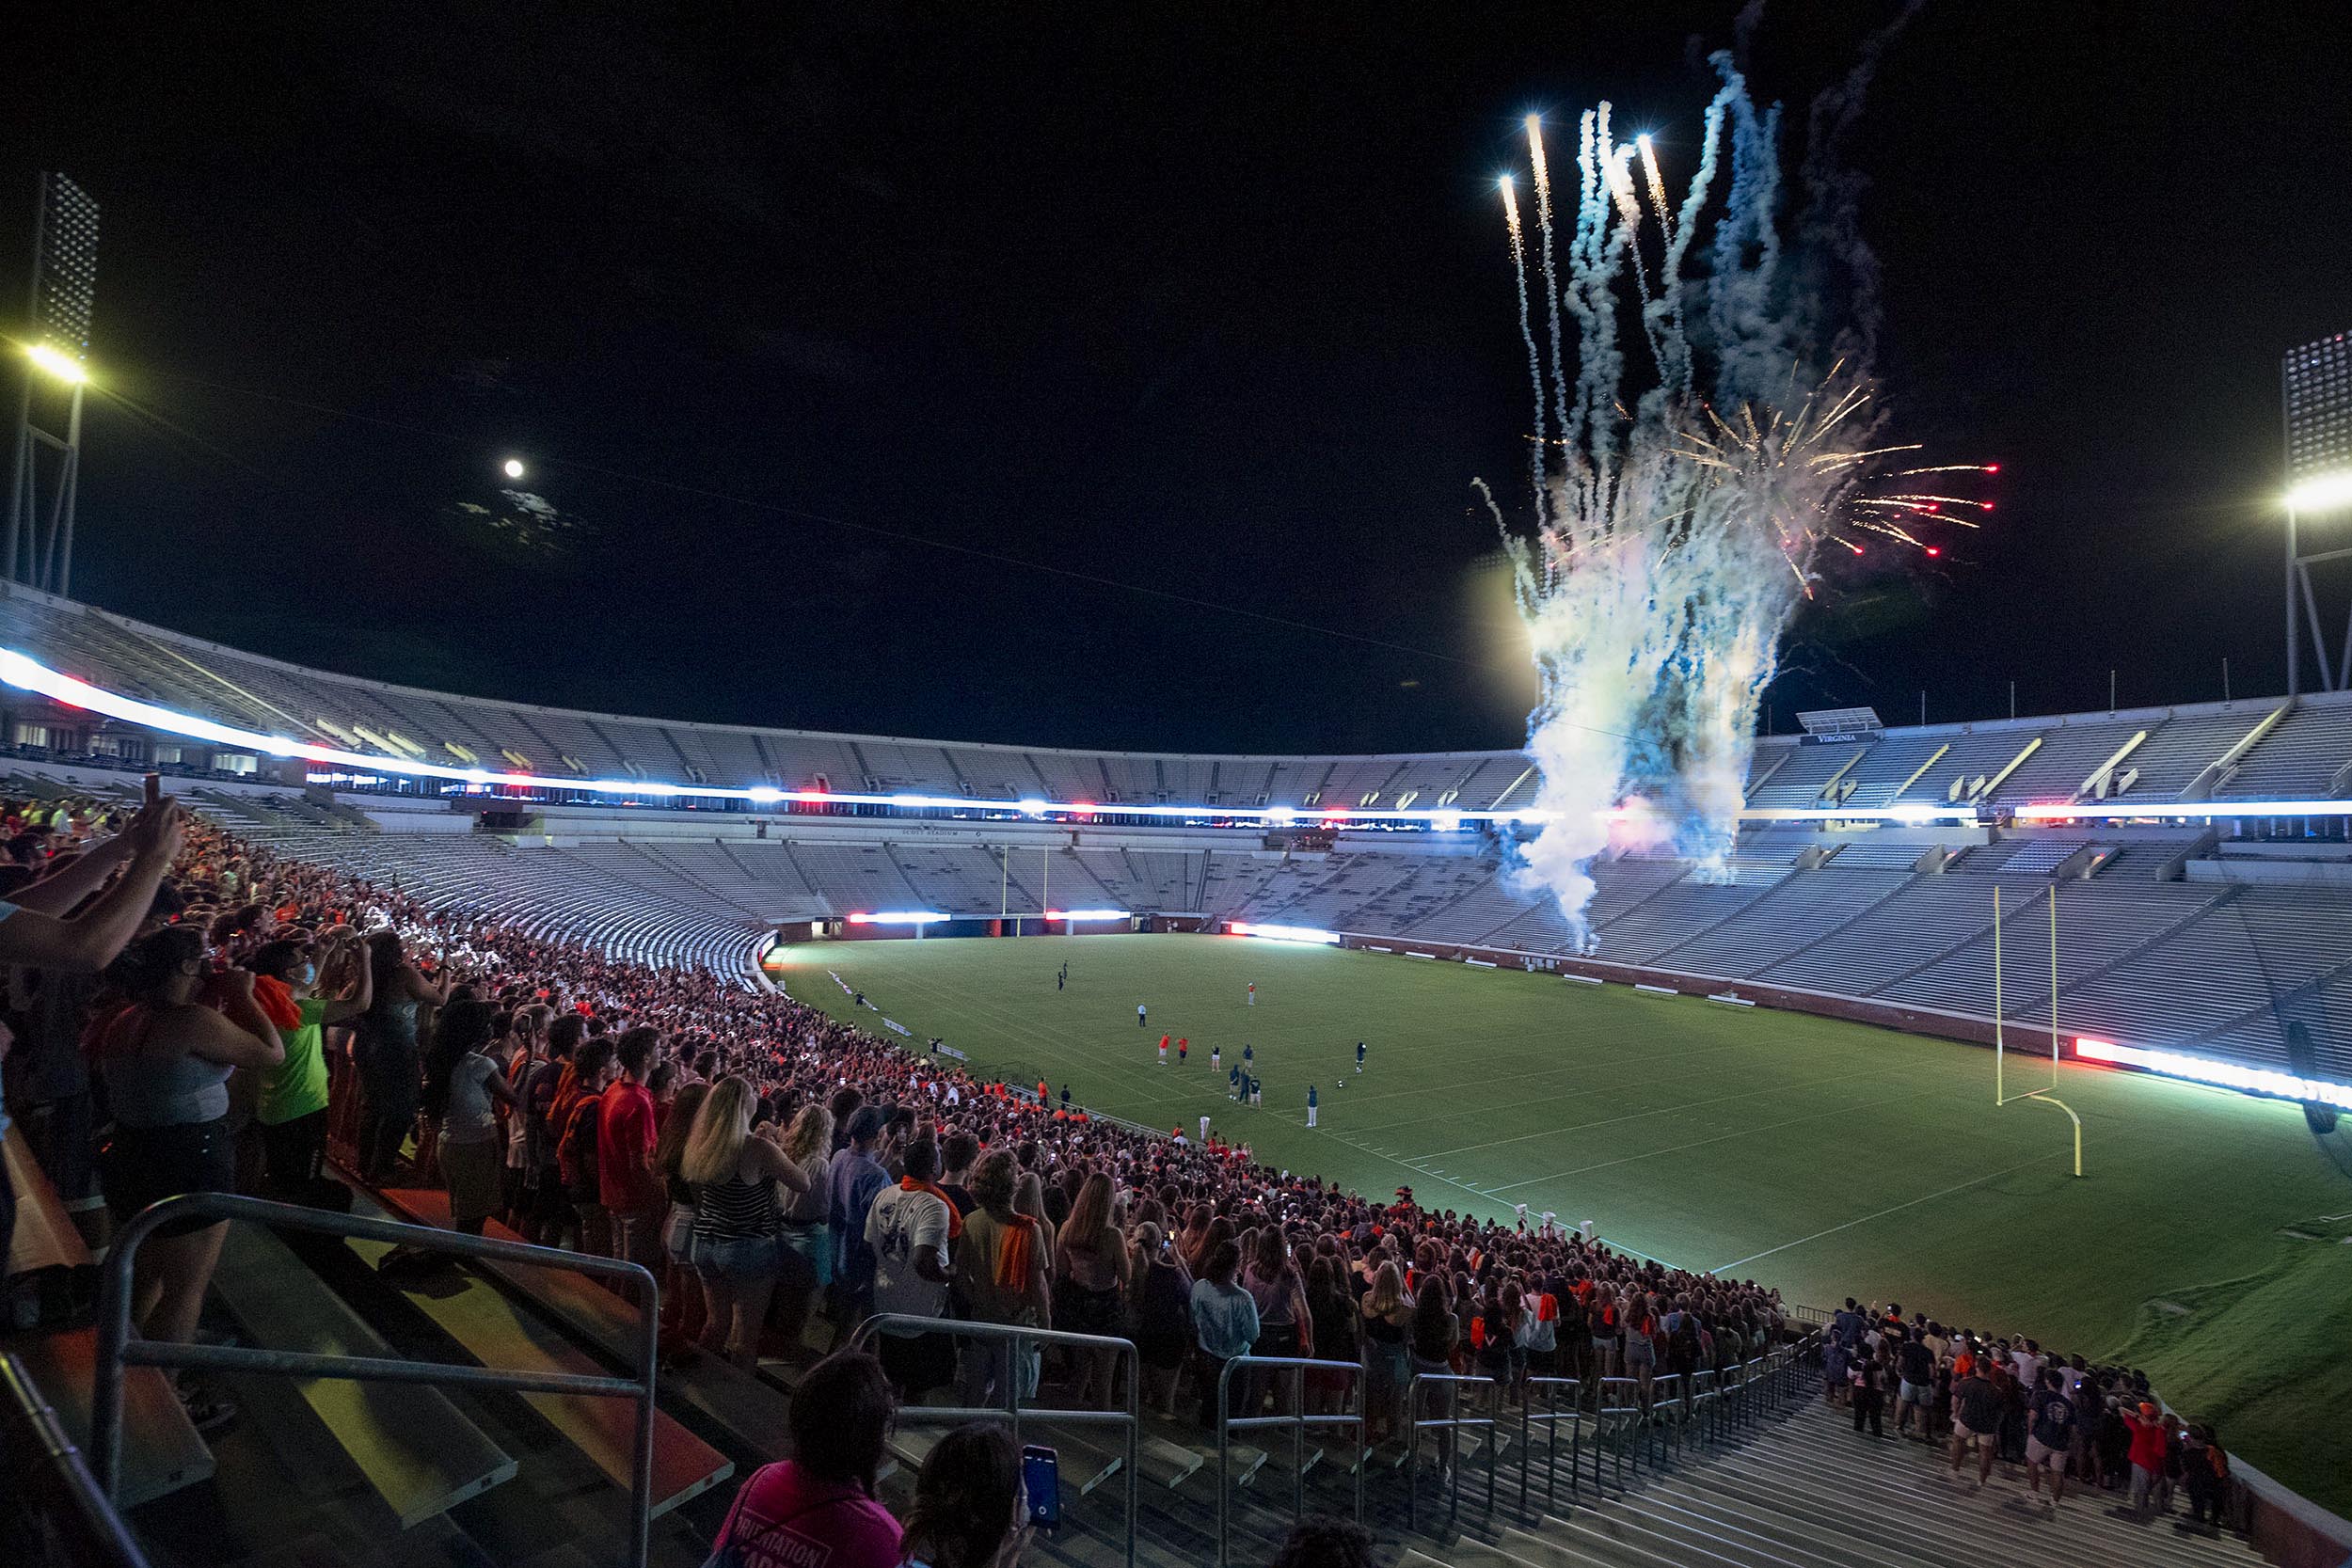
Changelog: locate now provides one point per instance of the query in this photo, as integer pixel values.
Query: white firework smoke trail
(1527, 335)
(1692, 496)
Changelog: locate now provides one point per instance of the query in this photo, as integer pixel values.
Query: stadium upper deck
(2191, 760)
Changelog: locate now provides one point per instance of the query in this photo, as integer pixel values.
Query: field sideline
(1823, 1157)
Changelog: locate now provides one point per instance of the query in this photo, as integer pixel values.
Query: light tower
(49, 415)
(2315, 384)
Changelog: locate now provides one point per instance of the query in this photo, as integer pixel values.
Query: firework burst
(1690, 476)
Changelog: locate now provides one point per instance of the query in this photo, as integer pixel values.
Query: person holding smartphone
(970, 1507)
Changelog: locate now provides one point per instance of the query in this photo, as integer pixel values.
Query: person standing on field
(1310, 1104)
(1139, 1023)
(1253, 993)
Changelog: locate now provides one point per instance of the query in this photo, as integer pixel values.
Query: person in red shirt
(2149, 1440)
(627, 1182)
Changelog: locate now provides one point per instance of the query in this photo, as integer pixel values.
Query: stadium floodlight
(898, 917)
(1281, 933)
(48, 459)
(2206, 1069)
(1085, 914)
(55, 362)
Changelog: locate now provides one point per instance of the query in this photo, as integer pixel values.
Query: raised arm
(92, 939)
(58, 892)
(240, 1034)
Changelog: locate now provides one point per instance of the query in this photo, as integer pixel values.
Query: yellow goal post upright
(2000, 1048)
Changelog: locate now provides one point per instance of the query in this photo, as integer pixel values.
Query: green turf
(1823, 1157)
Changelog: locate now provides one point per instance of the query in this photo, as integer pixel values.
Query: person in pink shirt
(816, 1509)
(627, 1183)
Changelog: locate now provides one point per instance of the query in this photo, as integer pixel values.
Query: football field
(1826, 1158)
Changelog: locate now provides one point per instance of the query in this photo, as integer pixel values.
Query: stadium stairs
(1818, 1494)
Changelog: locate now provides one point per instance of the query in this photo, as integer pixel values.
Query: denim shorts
(735, 1256)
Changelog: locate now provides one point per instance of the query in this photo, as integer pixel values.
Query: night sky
(782, 303)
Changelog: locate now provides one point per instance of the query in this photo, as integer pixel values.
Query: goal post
(2000, 1046)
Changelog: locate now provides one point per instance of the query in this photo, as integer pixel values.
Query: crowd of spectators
(2002, 1398)
(788, 1174)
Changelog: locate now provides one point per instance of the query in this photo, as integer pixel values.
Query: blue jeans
(735, 1256)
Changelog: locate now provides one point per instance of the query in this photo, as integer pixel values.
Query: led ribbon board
(30, 675)
(2206, 1069)
(1280, 933)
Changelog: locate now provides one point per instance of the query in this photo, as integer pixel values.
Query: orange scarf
(955, 1220)
(276, 1002)
(1016, 1253)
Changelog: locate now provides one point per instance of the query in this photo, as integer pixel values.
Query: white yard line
(1956, 1187)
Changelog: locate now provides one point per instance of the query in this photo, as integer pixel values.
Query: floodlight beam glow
(2321, 492)
(2207, 1069)
(54, 361)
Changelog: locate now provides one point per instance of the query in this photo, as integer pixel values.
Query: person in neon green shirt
(303, 991)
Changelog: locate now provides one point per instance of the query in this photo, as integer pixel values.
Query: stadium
(449, 1122)
(1754, 1076)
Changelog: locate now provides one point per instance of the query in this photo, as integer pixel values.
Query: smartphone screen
(1040, 1477)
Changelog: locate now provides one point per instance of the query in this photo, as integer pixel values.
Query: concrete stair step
(496, 1331)
(420, 1453)
(1694, 1495)
(1932, 1538)
(1631, 1529)
(161, 1449)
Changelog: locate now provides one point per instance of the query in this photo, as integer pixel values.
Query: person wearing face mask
(290, 989)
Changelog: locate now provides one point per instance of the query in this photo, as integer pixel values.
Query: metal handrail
(117, 1349)
(1618, 1387)
(30, 1434)
(1012, 1337)
(1227, 1423)
(1550, 1419)
(1453, 1420)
